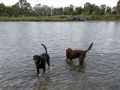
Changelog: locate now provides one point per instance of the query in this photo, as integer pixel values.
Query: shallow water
(19, 41)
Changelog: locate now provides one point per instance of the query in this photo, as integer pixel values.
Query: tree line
(24, 8)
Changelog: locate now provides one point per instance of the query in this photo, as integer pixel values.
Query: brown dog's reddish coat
(71, 54)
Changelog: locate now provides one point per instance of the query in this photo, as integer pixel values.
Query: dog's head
(37, 59)
(68, 52)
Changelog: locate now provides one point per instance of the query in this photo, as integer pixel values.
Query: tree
(58, 11)
(118, 7)
(2, 9)
(25, 7)
(9, 11)
(114, 10)
(88, 8)
(96, 10)
(102, 9)
(69, 10)
(108, 10)
(45, 10)
(38, 10)
(79, 10)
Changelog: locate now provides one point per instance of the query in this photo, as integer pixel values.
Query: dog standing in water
(72, 54)
(41, 60)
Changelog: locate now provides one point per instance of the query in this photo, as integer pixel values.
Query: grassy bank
(103, 17)
(41, 18)
(61, 18)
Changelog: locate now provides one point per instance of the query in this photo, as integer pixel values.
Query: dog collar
(39, 63)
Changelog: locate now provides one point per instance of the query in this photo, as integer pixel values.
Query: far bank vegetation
(23, 11)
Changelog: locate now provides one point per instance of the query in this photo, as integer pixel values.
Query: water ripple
(21, 40)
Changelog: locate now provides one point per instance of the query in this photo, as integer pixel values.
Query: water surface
(19, 41)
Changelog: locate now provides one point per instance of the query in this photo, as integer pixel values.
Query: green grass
(41, 18)
(103, 17)
(61, 18)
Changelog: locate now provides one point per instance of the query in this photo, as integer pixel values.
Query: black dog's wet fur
(41, 60)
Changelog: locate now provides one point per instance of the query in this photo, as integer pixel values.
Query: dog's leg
(37, 71)
(81, 60)
(70, 59)
(48, 62)
(66, 58)
(44, 69)
(67, 55)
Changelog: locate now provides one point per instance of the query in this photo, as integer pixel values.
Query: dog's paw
(37, 74)
(40, 75)
(43, 74)
(48, 68)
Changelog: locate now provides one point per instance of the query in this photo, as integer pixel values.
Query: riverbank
(103, 17)
(62, 18)
(29, 18)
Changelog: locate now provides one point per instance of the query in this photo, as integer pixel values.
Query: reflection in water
(74, 67)
(19, 41)
(42, 82)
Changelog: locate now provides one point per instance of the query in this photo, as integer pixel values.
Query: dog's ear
(69, 50)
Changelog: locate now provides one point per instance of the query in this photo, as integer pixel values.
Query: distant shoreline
(60, 18)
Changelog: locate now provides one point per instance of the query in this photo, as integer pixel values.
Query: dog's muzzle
(34, 60)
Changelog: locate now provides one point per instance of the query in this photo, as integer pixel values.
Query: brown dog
(71, 54)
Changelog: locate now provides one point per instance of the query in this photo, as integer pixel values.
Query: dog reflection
(73, 67)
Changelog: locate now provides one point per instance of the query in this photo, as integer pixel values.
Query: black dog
(40, 60)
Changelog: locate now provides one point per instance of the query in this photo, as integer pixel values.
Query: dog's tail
(44, 47)
(89, 47)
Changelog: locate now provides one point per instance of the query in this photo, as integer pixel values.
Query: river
(19, 41)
